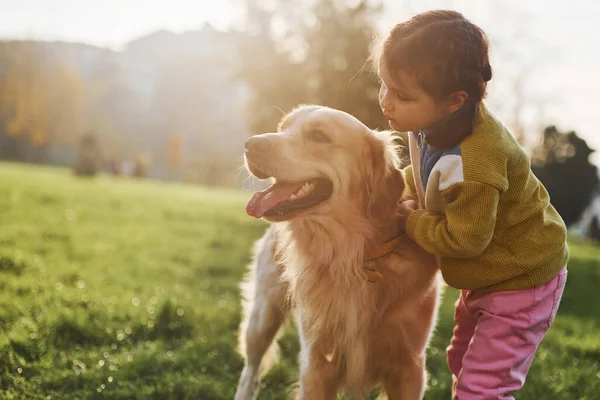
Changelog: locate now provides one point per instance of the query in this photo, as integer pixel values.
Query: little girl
(477, 205)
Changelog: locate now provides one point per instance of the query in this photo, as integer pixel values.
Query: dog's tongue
(264, 201)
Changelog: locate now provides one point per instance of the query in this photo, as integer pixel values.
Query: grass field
(118, 289)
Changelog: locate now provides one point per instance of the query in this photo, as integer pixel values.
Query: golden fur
(354, 335)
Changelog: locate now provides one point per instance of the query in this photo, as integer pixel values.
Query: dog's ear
(385, 180)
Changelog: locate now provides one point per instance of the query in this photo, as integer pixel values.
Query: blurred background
(171, 90)
(122, 125)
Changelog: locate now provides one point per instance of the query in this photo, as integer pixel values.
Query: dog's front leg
(409, 381)
(319, 378)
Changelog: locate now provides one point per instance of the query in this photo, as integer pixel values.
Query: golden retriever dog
(364, 296)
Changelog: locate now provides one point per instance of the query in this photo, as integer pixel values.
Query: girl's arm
(467, 227)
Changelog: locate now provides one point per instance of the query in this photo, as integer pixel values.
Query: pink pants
(496, 337)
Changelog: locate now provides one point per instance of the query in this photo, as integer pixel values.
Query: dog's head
(324, 161)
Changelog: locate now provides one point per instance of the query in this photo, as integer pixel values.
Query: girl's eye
(402, 97)
(318, 136)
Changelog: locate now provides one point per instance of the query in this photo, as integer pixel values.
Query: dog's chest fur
(336, 305)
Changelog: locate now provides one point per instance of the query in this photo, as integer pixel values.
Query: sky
(569, 31)
(109, 23)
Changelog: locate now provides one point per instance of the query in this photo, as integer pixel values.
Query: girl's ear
(456, 100)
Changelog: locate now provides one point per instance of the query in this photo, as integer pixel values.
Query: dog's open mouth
(283, 198)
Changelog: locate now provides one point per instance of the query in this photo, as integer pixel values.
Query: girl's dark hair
(445, 53)
(443, 50)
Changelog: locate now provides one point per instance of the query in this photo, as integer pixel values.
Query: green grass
(120, 289)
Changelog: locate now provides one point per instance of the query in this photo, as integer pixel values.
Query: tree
(340, 44)
(89, 160)
(276, 82)
(561, 163)
(41, 102)
(174, 151)
(112, 108)
(320, 55)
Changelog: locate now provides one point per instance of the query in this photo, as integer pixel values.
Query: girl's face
(405, 105)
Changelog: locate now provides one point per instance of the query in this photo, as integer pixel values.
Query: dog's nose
(258, 145)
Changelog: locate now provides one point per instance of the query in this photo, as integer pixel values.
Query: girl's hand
(404, 210)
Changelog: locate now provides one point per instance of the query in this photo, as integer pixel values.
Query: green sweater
(484, 213)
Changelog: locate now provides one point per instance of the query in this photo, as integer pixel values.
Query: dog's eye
(318, 136)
